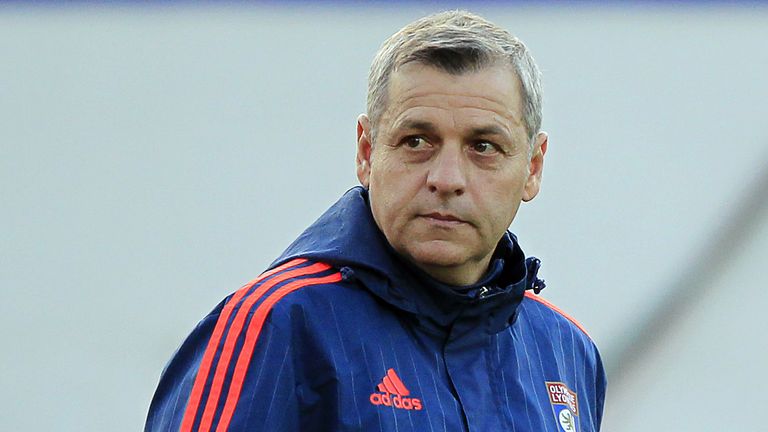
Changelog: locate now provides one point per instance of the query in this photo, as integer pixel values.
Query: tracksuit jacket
(341, 334)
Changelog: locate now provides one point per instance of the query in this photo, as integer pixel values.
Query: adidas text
(401, 402)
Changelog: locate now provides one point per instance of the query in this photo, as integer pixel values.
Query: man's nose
(447, 173)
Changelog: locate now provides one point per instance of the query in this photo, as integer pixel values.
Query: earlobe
(536, 167)
(364, 147)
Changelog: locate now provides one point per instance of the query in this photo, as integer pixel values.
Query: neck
(456, 275)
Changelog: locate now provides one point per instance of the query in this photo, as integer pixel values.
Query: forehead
(490, 94)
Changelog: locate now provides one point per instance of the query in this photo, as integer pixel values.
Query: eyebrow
(489, 130)
(431, 128)
(418, 125)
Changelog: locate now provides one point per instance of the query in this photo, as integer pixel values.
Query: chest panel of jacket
(363, 367)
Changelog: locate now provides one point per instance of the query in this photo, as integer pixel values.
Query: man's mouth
(443, 218)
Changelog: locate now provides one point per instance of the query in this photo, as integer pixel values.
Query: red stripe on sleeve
(234, 333)
(252, 336)
(532, 296)
(213, 343)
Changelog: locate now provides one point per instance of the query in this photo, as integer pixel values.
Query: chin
(438, 255)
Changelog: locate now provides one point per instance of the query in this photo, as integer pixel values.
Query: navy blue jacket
(342, 335)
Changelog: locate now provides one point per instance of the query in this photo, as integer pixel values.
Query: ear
(535, 167)
(364, 147)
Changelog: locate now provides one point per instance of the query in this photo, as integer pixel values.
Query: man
(406, 305)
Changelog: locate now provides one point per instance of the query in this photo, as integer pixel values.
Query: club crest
(565, 406)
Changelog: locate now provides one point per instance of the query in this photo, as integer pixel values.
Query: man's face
(449, 167)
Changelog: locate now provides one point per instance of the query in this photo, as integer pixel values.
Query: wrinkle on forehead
(493, 93)
(421, 117)
(456, 100)
(451, 101)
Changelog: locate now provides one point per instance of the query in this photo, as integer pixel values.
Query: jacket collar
(347, 237)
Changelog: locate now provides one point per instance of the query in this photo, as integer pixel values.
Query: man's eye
(414, 142)
(484, 147)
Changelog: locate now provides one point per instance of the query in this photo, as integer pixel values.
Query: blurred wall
(154, 158)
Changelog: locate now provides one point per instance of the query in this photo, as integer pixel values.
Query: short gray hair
(455, 42)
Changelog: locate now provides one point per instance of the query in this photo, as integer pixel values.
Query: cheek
(381, 197)
(392, 179)
(385, 202)
(501, 197)
(393, 193)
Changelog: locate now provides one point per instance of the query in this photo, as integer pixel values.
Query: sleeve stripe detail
(235, 331)
(252, 336)
(558, 310)
(213, 343)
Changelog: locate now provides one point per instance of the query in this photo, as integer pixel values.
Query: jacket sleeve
(232, 373)
(601, 384)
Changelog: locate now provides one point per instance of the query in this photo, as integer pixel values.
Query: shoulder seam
(558, 311)
(253, 332)
(239, 304)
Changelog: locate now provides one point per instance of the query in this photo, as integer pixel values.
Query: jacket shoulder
(555, 330)
(271, 287)
(546, 321)
(550, 312)
(216, 375)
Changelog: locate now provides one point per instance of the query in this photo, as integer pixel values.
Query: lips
(443, 218)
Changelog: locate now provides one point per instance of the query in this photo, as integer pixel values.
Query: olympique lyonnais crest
(565, 406)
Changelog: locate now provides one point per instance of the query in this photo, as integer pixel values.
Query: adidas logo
(392, 392)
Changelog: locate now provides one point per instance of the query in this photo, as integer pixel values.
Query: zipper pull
(347, 274)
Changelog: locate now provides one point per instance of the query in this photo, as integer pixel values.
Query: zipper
(483, 293)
